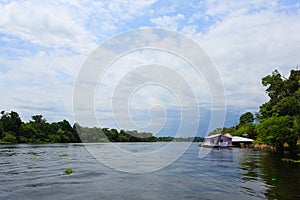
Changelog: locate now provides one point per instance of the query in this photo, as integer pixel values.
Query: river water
(37, 172)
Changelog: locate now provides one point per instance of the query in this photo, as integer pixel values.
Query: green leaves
(63, 155)
(10, 122)
(247, 117)
(280, 116)
(274, 130)
(284, 94)
(68, 171)
(246, 130)
(274, 83)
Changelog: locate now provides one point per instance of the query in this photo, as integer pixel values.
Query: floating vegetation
(31, 158)
(290, 160)
(63, 155)
(68, 171)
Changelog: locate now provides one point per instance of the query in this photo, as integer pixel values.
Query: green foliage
(216, 131)
(1, 129)
(89, 135)
(38, 130)
(31, 158)
(231, 130)
(11, 122)
(275, 131)
(284, 95)
(9, 137)
(63, 155)
(283, 109)
(274, 84)
(246, 130)
(247, 117)
(68, 171)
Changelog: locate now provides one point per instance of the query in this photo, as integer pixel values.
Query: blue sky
(43, 45)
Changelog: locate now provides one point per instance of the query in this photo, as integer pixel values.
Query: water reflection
(280, 179)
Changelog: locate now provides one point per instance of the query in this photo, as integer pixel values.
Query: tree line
(277, 123)
(38, 130)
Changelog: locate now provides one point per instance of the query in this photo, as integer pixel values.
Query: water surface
(37, 172)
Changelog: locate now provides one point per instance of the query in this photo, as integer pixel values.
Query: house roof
(212, 136)
(234, 138)
(216, 135)
(240, 139)
(228, 135)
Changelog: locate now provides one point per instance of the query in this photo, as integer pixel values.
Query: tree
(38, 119)
(216, 131)
(280, 116)
(1, 129)
(114, 135)
(38, 122)
(11, 122)
(42, 127)
(246, 130)
(276, 131)
(274, 84)
(284, 95)
(247, 117)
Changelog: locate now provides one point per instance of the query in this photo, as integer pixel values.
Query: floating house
(217, 140)
(227, 140)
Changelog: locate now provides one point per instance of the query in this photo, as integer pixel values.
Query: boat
(225, 141)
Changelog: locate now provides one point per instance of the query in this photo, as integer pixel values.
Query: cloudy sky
(44, 44)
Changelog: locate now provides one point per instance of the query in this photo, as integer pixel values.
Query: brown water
(37, 172)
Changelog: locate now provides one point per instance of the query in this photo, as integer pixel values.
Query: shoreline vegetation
(275, 126)
(38, 131)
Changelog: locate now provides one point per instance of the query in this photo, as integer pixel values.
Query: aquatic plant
(31, 158)
(68, 171)
(290, 160)
(63, 155)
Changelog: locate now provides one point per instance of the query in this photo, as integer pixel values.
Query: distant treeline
(38, 130)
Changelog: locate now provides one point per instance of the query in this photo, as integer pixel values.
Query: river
(37, 172)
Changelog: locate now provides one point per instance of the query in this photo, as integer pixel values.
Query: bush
(9, 137)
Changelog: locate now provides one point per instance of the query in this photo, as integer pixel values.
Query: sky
(44, 45)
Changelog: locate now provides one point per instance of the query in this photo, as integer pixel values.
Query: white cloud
(44, 23)
(250, 46)
(232, 8)
(33, 86)
(169, 22)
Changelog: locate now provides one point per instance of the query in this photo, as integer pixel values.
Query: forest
(38, 130)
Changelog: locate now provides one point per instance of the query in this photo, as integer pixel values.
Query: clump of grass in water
(290, 160)
(68, 171)
(31, 158)
(63, 155)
